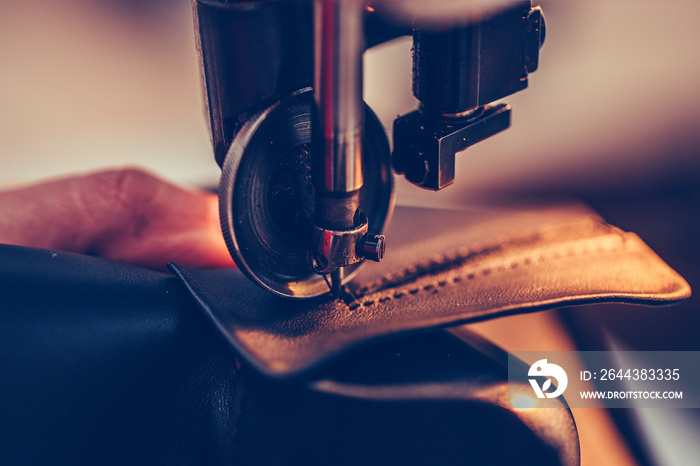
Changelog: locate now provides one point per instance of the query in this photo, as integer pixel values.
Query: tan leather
(442, 268)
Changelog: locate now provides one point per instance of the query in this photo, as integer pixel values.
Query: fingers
(160, 222)
(124, 215)
(47, 215)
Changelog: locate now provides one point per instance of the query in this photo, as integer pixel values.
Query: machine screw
(373, 247)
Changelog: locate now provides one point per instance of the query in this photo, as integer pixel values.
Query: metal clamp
(335, 249)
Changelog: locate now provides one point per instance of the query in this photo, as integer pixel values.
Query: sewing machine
(306, 186)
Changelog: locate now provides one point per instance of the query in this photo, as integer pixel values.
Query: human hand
(125, 215)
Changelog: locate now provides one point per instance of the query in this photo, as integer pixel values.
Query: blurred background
(612, 117)
(87, 84)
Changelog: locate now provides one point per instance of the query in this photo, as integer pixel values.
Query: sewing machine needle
(336, 280)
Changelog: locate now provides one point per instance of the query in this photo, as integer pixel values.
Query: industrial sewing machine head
(306, 185)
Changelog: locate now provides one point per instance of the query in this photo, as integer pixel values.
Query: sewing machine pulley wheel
(266, 195)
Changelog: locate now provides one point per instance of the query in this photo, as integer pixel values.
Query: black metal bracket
(458, 72)
(425, 147)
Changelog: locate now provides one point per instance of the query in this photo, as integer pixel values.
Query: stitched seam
(526, 261)
(458, 256)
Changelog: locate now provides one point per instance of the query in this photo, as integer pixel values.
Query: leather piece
(435, 398)
(105, 363)
(444, 268)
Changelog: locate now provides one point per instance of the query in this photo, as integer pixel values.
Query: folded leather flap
(477, 265)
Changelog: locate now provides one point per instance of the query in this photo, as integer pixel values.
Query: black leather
(443, 268)
(428, 399)
(103, 363)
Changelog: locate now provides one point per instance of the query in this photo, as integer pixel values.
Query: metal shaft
(337, 162)
(338, 47)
